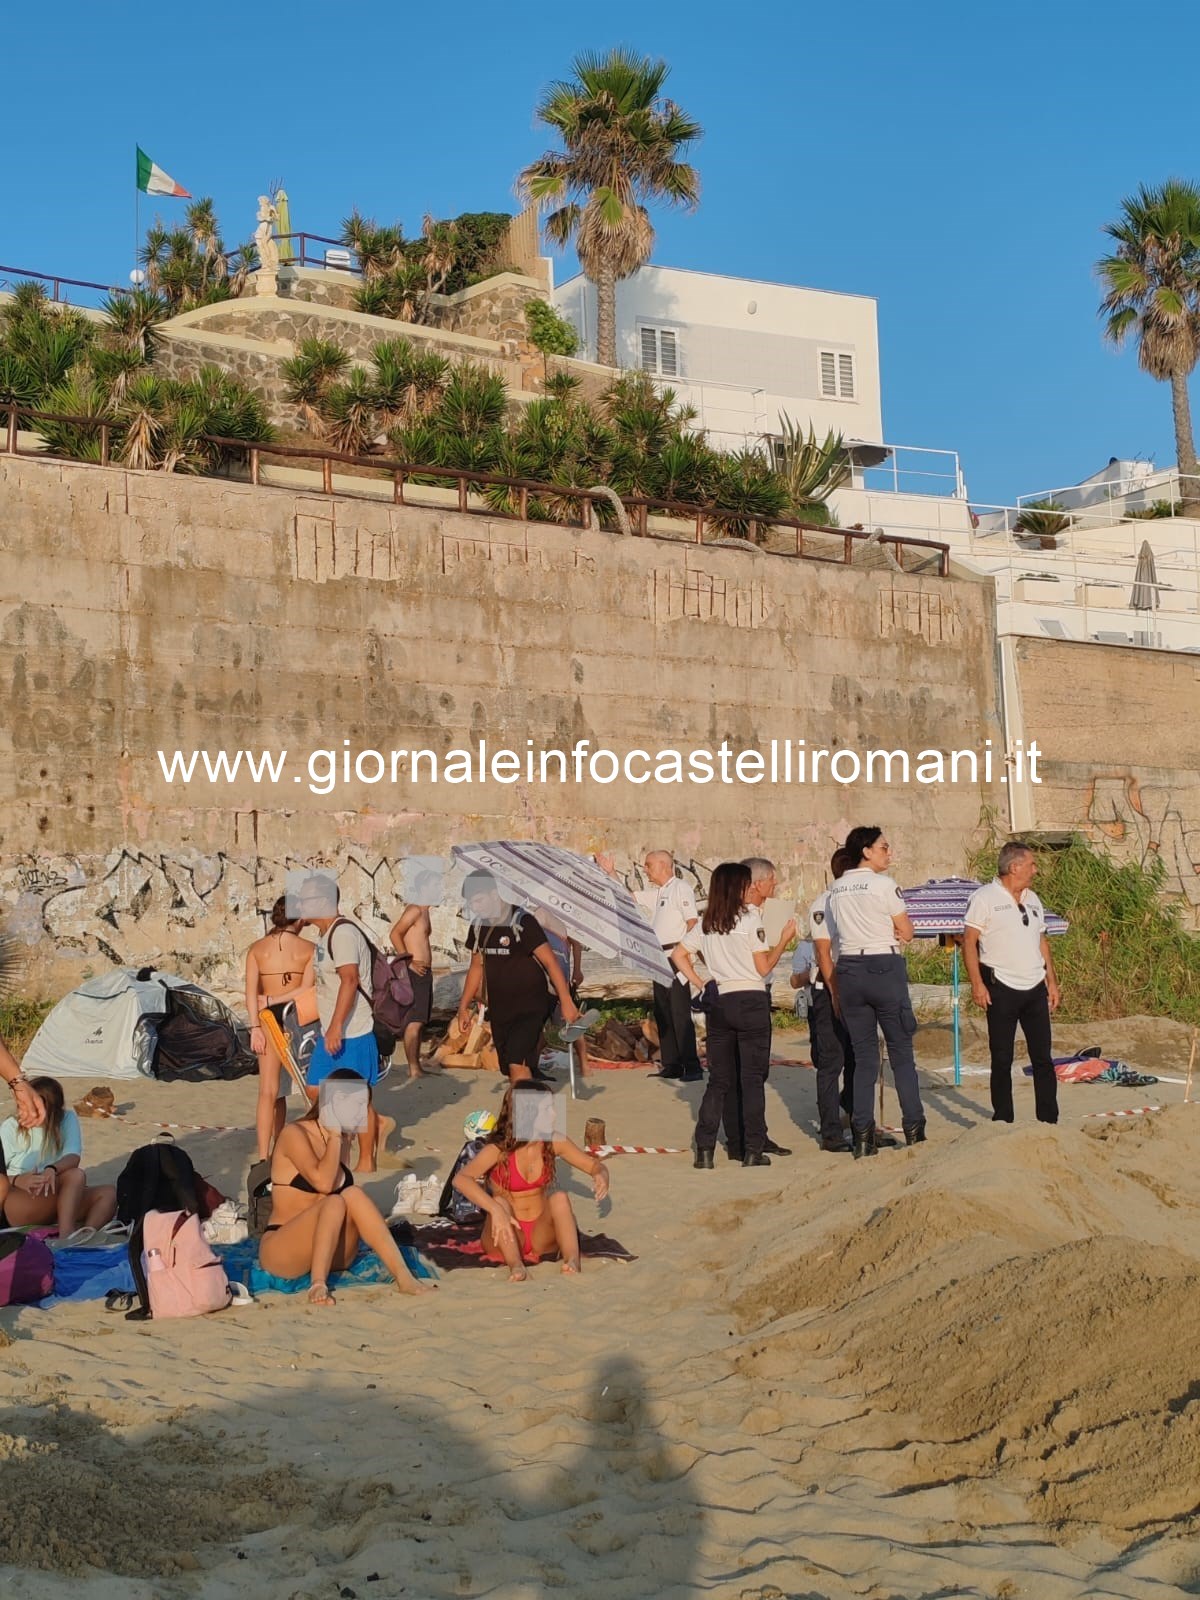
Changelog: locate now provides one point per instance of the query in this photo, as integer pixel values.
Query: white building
(745, 354)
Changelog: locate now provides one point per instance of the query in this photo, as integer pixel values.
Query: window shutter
(828, 375)
(649, 350)
(668, 363)
(846, 377)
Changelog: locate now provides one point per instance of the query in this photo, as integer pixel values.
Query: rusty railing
(640, 508)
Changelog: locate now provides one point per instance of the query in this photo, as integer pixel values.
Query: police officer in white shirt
(833, 1054)
(733, 942)
(1012, 977)
(870, 923)
(671, 907)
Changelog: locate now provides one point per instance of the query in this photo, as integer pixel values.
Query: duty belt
(892, 950)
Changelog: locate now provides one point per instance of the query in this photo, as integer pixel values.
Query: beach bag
(391, 995)
(258, 1198)
(183, 1276)
(455, 1205)
(26, 1269)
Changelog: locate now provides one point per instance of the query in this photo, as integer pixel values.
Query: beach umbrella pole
(954, 1004)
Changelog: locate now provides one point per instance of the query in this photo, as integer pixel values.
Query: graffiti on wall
(1143, 822)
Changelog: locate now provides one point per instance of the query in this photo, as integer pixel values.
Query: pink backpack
(183, 1276)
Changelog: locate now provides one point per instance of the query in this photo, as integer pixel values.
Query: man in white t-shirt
(342, 965)
(671, 907)
(1012, 976)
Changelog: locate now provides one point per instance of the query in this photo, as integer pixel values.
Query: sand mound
(74, 1495)
(1021, 1304)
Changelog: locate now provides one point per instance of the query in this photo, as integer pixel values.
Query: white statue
(267, 247)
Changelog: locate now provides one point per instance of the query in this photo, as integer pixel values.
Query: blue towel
(88, 1273)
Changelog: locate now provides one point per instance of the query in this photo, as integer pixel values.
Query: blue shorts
(360, 1055)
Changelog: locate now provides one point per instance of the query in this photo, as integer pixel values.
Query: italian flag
(151, 179)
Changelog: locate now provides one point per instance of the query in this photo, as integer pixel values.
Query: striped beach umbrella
(594, 908)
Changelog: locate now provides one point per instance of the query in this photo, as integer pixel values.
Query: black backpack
(452, 1204)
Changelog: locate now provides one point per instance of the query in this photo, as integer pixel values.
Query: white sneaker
(430, 1197)
(408, 1192)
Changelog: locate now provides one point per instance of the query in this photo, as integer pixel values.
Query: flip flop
(81, 1236)
(115, 1230)
(240, 1297)
(119, 1300)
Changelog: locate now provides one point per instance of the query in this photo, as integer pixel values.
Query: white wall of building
(745, 352)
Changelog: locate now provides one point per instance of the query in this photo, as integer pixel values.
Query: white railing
(926, 477)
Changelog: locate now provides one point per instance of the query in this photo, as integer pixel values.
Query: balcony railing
(582, 507)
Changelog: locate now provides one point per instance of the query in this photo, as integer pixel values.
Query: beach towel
(449, 1245)
(1089, 1066)
(89, 1273)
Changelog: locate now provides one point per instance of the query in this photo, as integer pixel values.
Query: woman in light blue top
(46, 1183)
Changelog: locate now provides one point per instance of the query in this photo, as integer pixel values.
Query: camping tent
(130, 1024)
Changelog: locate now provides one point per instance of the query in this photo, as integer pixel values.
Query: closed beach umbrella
(594, 908)
(1145, 581)
(939, 908)
(284, 226)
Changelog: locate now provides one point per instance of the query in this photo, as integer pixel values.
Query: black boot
(914, 1132)
(864, 1142)
(734, 1152)
(704, 1159)
(756, 1160)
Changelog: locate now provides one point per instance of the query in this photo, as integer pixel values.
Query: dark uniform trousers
(833, 1056)
(739, 1054)
(676, 1029)
(1031, 1008)
(874, 995)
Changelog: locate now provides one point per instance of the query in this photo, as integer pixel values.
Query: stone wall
(1119, 732)
(197, 614)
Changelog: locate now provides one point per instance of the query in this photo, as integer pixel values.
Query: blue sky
(956, 161)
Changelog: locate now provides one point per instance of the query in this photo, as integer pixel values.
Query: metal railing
(9, 275)
(812, 543)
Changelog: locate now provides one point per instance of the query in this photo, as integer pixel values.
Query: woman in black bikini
(317, 1214)
(277, 967)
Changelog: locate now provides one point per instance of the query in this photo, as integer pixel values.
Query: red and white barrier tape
(635, 1150)
(1131, 1111)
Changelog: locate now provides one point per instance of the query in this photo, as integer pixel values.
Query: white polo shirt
(670, 908)
(729, 957)
(821, 930)
(862, 904)
(1009, 944)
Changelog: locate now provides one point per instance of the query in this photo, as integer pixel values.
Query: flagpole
(137, 216)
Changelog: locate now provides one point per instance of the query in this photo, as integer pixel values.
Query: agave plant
(1043, 520)
(812, 469)
(307, 377)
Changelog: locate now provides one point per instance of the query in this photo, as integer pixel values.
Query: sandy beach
(961, 1369)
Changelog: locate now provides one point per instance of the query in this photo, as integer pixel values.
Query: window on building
(837, 375)
(660, 351)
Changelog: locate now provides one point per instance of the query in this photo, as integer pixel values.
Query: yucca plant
(408, 382)
(27, 295)
(79, 395)
(748, 495)
(142, 413)
(19, 383)
(132, 319)
(378, 249)
(115, 367)
(348, 409)
(307, 377)
(473, 401)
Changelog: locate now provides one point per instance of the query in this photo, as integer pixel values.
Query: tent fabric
(109, 1027)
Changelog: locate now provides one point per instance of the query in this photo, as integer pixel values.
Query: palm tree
(1152, 283)
(622, 144)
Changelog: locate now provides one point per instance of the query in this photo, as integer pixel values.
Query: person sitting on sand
(46, 1182)
(318, 1215)
(526, 1216)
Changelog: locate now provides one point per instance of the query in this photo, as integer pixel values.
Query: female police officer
(870, 921)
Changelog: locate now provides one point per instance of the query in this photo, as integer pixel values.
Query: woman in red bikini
(512, 1181)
